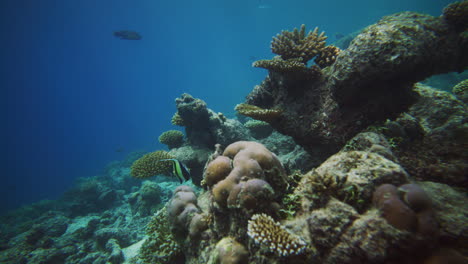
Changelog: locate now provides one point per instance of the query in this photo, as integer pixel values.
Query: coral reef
(461, 91)
(229, 251)
(160, 247)
(172, 138)
(457, 15)
(205, 128)
(370, 81)
(150, 165)
(177, 120)
(294, 67)
(265, 231)
(259, 129)
(297, 44)
(327, 56)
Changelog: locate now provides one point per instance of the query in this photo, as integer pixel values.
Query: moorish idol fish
(179, 170)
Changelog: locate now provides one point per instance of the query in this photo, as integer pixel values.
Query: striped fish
(179, 170)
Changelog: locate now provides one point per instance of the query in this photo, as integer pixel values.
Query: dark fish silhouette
(339, 36)
(127, 34)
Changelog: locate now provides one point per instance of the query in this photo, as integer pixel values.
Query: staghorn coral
(150, 165)
(177, 120)
(265, 231)
(457, 15)
(327, 56)
(297, 44)
(172, 138)
(255, 112)
(293, 67)
(160, 246)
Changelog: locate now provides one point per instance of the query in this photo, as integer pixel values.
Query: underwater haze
(76, 97)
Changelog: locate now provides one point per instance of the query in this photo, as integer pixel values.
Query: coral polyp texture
(461, 90)
(151, 165)
(255, 112)
(265, 231)
(296, 44)
(172, 138)
(457, 14)
(327, 56)
(177, 120)
(369, 82)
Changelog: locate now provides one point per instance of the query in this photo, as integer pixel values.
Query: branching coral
(328, 56)
(265, 231)
(297, 44)
(150, 165)
(172, 138)
(258, 113)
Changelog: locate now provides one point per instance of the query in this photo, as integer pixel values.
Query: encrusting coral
(172, 138)
(457, 14)
(265, 231)
(460, 90)
(229, 251)
(297, 44)
(255, 112)
(177, 120)
(160, 247)
(150, 165)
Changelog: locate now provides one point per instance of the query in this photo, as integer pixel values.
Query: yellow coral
(150, 165)
(172, 138)
(258, 113)
(328, 56)
(265, 231)
(177, 120)
(297, 44)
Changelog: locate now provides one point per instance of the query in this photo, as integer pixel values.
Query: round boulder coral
(150, 165)
(172, 138)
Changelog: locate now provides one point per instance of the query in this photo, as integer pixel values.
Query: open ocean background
(73, 94)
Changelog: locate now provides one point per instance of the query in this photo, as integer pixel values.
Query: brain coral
(172, 138)
(265, 231)
(150, 165)
(246, 176)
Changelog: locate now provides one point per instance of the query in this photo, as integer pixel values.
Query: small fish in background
(179, 170)
(339, 36)
(119, 149)
(262, 5)
(128, 35)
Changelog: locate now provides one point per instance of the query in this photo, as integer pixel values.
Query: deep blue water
(72, 93)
